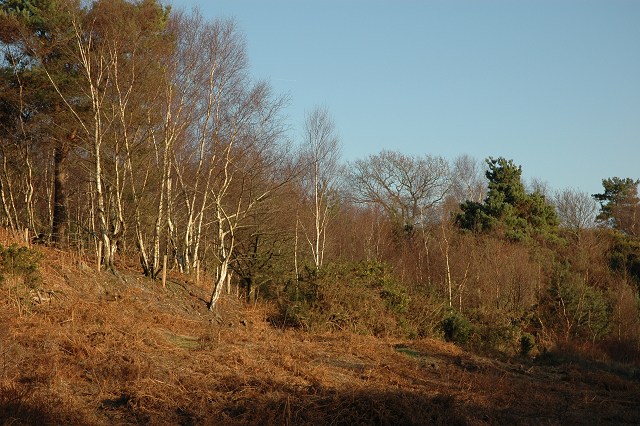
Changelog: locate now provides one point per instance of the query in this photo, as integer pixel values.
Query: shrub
(624, 255)
(20, 261)
(361, 297)
(425, 312)
(575, 308)
(456, 328)
(395, 296)
(498, 336)
(527, 344)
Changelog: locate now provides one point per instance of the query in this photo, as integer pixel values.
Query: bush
(425, 312)
(527, 344)
(361, 297)
(498, 336)
(456, 328)
(624, 256)
(22, 262)
(395, 297)
(576, 309)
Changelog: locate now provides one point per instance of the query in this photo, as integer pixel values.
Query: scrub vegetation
(169, 255)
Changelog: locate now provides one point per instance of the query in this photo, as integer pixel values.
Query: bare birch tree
(142, 112)
(247, 171)
(577, 210)
(321, 155)
(107, 40)
(468, 180)
(213, 63)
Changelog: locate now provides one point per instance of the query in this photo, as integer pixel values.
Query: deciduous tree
(320, 157)
(408, 188)
(576, 209)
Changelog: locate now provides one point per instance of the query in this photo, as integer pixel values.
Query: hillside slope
(93, 348)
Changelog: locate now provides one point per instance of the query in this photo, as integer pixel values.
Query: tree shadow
(19, 412)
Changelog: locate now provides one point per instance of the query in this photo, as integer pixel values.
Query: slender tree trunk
(107, 260)
(445, 251)
(49, 180)
(224, 255)
(140, 241)
(60, 222)
(157, 233)
(11, 208)
(221, 276)
(171, 228)
(119, 225)
(195, 239)
(295, 251)
(5, 207)
(31, 223)
(226, 232)
(316, 190)
(92, 217)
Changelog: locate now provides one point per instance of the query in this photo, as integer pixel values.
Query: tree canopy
(407, 188)
(619, 204)
(508, 208)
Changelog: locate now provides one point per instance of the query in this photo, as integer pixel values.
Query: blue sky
(552, 84)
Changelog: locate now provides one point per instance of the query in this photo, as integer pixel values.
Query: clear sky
(552, 84)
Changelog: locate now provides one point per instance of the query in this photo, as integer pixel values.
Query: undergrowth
(359, 297)
(121, 349)
(20, 262)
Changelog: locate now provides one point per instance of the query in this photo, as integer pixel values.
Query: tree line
(130, 130)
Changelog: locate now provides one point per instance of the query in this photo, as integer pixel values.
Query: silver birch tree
(321, 155)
